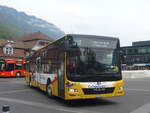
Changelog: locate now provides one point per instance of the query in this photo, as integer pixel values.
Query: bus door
(61, 80)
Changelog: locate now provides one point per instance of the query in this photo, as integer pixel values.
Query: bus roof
(83, 36)
(10, 60)
(76, 36)
(14, 60)
(94, 36)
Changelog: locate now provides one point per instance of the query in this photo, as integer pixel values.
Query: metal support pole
(5, 109)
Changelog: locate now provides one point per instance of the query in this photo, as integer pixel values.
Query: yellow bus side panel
(34, 83)
(42, 87)
(55, 87)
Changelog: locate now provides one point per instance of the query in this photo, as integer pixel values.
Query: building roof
(3, 42)
(15, 44)
(18, 44)
(29, 45)
(141, 43)
(34, 36)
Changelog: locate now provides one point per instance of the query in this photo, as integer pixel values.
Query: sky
(129, 20)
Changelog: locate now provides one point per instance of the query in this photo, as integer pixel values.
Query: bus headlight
(73, 90)
(12, 73)
(120, 88)
(2, 74)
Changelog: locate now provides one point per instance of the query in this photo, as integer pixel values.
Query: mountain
(14, 24)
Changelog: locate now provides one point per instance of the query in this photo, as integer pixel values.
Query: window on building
(148, 50)
(142, 50)
(8, 49)
(132, 51)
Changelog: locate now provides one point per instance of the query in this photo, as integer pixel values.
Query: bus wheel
(49, 89)
(18, 74)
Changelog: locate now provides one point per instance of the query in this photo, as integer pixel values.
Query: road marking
(14, 91)
(42, 105)
(12, 82)
(143, 109)
(143, 90)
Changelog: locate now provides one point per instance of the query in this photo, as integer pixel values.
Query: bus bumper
(79, 93)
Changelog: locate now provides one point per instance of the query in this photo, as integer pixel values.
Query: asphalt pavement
(22, 99)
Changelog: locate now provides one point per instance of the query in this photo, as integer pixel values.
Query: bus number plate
(97, 96)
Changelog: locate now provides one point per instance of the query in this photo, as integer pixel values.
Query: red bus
(12, 68)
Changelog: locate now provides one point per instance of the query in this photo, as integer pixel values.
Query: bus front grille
(98, 90)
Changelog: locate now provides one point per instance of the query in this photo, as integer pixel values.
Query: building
(136, 56)
(23, 46)
(34, 41)
(11, 49)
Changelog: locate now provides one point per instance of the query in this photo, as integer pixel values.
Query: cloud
(127, 19)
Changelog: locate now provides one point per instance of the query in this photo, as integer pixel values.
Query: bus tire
(18, 74)
(49, 89)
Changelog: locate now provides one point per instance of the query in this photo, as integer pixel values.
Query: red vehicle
(12, 68)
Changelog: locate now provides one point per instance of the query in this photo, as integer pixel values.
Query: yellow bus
(77, 67)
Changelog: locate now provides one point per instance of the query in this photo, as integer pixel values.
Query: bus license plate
(97, 96)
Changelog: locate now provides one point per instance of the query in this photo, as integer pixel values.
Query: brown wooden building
(23, 46)
(11, 49)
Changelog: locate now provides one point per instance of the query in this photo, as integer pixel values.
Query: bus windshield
(19, 66)
(88, 62)
(92, 42)
(95, 57)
